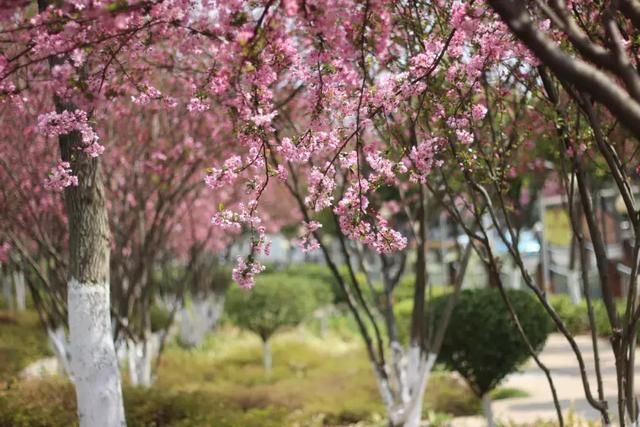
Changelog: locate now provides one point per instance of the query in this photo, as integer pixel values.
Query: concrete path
(561, 361)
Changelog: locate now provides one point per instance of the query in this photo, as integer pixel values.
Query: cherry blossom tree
(352, 105)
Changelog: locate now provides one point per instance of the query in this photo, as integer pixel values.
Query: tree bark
(7, 291)
(20, 291)
(94, 363)
(93, 358)
(60, 346)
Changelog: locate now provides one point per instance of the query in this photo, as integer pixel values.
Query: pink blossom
(60, 177)
(307, 241)
(290, 7)
(478, 112)
(245, 271)
(5, 250)
(197, 105)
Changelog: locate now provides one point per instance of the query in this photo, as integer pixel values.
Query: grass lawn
(314, 382)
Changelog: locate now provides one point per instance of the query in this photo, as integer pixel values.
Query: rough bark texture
(94, 363)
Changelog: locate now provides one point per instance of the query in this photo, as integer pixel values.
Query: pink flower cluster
(321, 186)
(217, 178)
(245, 271)
(423, 157)
(307, 242)
(60, 177)
(293, 153)
(246, 268)
(56, 124)
(353, 215)
(197, 105)
(5, 250)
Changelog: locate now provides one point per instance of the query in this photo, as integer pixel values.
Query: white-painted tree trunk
(60, 346)
(487, 411)
(413, 372)
(267, 360)
(21, 291)
(414, 409)
(7, 291)
(93, 362)
(140, 357)
(200, 317)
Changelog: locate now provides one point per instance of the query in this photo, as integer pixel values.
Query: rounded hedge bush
(482, 342)
(275, 302)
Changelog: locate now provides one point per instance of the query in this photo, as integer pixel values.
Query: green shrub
(482, 343)
(574, 316)
(276, 302)
(160, 318)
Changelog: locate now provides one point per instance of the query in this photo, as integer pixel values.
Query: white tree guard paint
(140, 356)
(487, 411)
(21, 291)
(199, 318)
(93, 357)
(7, 291)
(415, 370)
(414, 411)
(267, 360)
(60, 345)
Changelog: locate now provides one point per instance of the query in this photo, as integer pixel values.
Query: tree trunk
(20, 290)
(199, 318)
(486, 410)
(60, 345)
(7, 291)
(414, 411)
(140, 358)
(267, 361)
(93, 358)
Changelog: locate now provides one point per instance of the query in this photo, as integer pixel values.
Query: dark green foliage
(160, 318)
(482, 342)
(277, 301)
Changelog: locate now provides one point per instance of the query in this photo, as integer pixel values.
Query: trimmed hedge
(576, 316)
(482, 342)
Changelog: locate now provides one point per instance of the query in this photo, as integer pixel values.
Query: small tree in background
(276, 302)
(482, 343)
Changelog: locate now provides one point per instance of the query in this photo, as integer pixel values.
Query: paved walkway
(561, 361)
